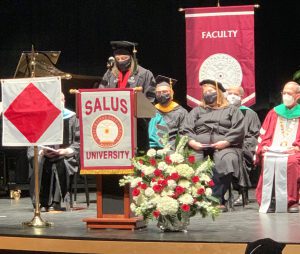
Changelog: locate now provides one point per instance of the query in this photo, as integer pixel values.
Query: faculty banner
(106, 131)
(32, 111)
(220, 46)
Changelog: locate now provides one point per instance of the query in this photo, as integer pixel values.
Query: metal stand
(36, 221)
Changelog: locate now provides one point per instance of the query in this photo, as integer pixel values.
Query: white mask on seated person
(288, 100)
(234, 99)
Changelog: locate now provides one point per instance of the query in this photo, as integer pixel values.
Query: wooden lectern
(108, 187)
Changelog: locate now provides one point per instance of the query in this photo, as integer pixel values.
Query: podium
(113, 201)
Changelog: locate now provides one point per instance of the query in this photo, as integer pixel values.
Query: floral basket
(171, 186)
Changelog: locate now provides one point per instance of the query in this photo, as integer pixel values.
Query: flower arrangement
(171, 186)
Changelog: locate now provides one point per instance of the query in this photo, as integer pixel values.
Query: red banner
(220, 46)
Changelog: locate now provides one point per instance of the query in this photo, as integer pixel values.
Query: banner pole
(36, 221)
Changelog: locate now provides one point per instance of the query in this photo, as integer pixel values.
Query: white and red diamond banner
(32, 111)
(220, 46)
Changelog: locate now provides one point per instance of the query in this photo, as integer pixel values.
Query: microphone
(110, 62)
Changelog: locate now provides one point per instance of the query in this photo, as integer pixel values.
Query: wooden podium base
(116, 223)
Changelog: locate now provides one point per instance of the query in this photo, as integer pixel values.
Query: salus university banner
(106, 131)
(220, 46)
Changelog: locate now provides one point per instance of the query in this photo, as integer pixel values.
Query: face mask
(163, 99)
(210, 98)
(124, 65)
(288, 100)
(234, 99)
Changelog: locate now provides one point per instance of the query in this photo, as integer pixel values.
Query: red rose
(144, 186)
(153, 180)
(135, 192)
(179, 190)
(211, 183)
(152, 161)
(185, 208)
(157, 172)
(142, 174)
(192, 159)
(156, 213)
(175, 176)
(157, 188)
(168, 160)
(195, 179)
(141, 161)
(163, 182)
(200, 191)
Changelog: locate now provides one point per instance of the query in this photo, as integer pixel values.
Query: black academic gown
(54, 173)
(207, 126)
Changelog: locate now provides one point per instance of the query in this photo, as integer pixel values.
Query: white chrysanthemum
(172, 184)
(184, 183)
(151, 152)
(155, 199)
(133, 207)
(185, 170)
(148, 170)
(167, 192)
(208, 191)
(203, 204)
(162, 152)
(186, 199)
(140, 199)
(167, 206)
(149, 192)
(138, 211)
(134, 182)
(205, 177)
(194, 190)
(170, 169)
(176, 158)
(162, 166)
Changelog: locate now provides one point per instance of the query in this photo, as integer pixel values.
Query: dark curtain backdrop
(82, 29)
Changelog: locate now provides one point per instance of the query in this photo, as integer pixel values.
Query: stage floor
(235, 228)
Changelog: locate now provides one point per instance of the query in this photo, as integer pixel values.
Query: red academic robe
(293, 162)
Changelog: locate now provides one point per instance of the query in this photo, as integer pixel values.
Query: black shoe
(55, 207)
(293, 208)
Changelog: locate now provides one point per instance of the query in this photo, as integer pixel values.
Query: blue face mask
(210, 98)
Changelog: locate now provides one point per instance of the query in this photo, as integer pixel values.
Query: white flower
(185, 170)
(186, 199)
(176, 158)
(133, 207)
(167, 206)
(184, 183)
(208, 191)
(148, 170)
(134, 182)
(162, 166)
(155, 198)
(162, 152)
(167, 192)
(140, 199)
(149, 192)
(205, 178)
(151, 152)
(172, 184)
(170, 169)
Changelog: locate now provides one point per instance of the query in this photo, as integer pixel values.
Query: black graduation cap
(265, 246)
(214, 83)
(123, 47)
(165, 81)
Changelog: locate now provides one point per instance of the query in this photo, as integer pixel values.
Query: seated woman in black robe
(215, 128)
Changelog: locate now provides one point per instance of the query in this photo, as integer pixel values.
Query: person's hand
(195, 145)
(221, 144)
(49, 154)
(265, 149)
(292, 150)
(64, 151)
